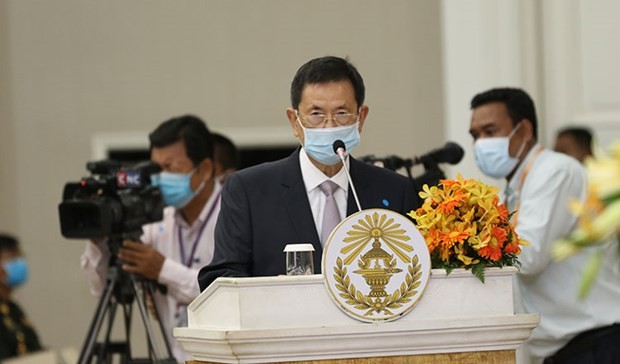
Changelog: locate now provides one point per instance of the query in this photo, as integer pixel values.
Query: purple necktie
(331, 215)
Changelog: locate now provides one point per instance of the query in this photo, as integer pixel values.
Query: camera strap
(188, 262)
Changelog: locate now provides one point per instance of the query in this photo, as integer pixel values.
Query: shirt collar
(515, 181)
(313, 177)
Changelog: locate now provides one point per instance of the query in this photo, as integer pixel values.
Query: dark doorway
(253, 156)
(249, 156)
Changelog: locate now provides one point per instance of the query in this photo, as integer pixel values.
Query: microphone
(451, 153)
(340, 150)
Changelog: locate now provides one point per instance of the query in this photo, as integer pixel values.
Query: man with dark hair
(225, 156)
(172, 251)
(540, 185)
(302, 197)
(17, 336)
(574, 141)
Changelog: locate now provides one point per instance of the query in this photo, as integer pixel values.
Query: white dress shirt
(180, 279)
(313, 178)
(547, 287)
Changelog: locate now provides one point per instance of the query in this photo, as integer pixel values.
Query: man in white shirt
(171, 251)
(540, 185)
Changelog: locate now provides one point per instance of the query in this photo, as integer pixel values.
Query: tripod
(121, 289)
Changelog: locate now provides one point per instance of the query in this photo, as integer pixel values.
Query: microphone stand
(357, 201)
(339, 149)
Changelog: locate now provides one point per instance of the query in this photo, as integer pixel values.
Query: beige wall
(8, 218)
(71, 69)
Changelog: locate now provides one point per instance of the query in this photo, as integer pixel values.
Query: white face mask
(493, 156)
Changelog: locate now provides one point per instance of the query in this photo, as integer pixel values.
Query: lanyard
(188, 261)
(528, 166)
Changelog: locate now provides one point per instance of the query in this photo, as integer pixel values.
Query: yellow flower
(429, 193)
(462, 221)
(460, 255)
(604, 175)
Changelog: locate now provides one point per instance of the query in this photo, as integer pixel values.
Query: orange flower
(500, 235)
(449, 183)
(446, 240)
(512, 248)
(503, 212)
(447, 207)
(491, 252)
(432, 239)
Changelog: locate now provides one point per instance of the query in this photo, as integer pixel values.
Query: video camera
(116, 200)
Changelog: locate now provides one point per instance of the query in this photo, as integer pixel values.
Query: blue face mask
(175, 188)
(492, 155)
(16, 272)
(319, 142)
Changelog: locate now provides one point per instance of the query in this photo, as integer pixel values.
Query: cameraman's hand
(141, 259)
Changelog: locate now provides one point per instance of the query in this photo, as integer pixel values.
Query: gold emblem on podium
(392, 265)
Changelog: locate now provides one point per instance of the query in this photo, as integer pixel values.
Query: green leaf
(590, 271)
(478, 271)
(611, 198)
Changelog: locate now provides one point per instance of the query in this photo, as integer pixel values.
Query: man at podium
(301, 198)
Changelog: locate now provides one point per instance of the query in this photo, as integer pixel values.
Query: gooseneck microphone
(340, 150)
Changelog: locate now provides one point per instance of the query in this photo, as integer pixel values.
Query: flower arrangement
(465, 226)
(599, 215)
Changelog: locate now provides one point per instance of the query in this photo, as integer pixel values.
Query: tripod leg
(105, 347)
(95, 326)
(149, 287)
(139, 295)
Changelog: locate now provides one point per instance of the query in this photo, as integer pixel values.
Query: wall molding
(243, 137)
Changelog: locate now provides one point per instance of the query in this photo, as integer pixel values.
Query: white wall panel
(581, 60)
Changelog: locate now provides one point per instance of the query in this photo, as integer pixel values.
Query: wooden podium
(293, 319)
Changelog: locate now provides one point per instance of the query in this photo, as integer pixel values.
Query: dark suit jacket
(266, 207)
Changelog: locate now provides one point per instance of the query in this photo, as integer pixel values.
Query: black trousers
(597, 346)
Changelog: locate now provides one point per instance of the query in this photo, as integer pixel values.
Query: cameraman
(173, 250)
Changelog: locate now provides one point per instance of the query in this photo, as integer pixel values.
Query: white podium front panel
(270, 319)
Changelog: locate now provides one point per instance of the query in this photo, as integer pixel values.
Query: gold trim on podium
(488, 357)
